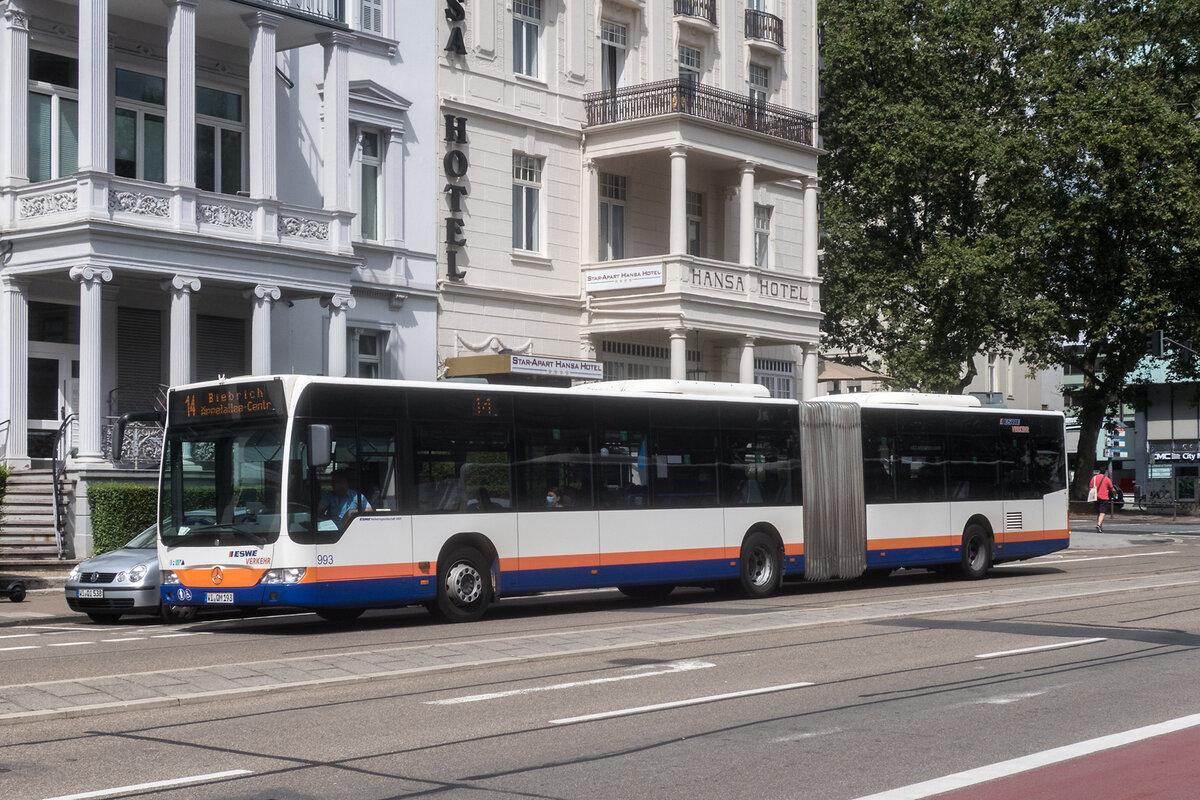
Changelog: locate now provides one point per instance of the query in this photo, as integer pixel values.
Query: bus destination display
(230, 402)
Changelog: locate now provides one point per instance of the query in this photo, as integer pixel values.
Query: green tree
(921, 120)
(1112, 122)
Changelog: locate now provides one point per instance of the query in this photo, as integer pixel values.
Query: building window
(613, 43)
(695, 218)
(368, 358)
(776, 376)
(527, 28)
(371, 163)
(53, 127)
(760, 82)
(140, 129)
(612, 216)
(526, 192)
(219, 135)
(371, 16)
(689, 64)
(762, 236)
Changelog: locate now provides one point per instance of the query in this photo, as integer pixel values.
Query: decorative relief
(303, 228)
(225, 216)
(43, 204)
(18, 20)
(139, 203)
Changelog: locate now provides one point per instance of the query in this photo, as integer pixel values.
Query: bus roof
(690, 388)
(903, 399)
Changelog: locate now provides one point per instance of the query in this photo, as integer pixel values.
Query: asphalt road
(913, 686)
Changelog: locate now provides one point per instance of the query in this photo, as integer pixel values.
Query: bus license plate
(89, 593)
(218, 597)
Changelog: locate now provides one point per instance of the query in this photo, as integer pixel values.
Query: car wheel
(174, 615)
(103, 619)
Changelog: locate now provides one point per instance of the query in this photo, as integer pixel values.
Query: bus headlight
(169, 578)
(287, 575)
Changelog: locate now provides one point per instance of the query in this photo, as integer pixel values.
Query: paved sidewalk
(72, 698)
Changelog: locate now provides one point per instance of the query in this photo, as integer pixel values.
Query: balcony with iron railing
(322, 10)
(705, 10)
(764, 27)
(690, 99)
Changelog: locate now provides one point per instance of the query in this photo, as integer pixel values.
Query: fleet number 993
(324, 560)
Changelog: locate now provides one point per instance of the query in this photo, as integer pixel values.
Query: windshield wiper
(229, 526)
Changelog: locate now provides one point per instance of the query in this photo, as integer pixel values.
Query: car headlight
(169, 578)
(288, 575)
(137, 573)
(73, 575)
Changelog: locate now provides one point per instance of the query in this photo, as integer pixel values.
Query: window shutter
(220, 347)
(139, 361)
(372, 16)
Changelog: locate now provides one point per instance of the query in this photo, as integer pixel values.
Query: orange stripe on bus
(231, 577)
(363, 571)
(667, 556)
(1036, 536)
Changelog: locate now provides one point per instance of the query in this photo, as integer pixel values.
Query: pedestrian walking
(1101, 490)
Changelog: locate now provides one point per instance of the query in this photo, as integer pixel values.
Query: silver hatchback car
(124, 581)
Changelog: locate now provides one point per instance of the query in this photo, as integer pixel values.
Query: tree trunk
(1091, 418)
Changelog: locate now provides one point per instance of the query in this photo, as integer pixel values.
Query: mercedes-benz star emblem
(218, 575)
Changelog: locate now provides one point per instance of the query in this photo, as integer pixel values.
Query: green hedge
(3, 486)
(120, 511)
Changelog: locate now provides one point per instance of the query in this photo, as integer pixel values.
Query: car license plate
(89, 593)
(218, 597)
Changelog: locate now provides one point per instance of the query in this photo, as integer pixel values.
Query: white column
(93, 86)
(746, 363)
(393, 189)
(678, 229)
(15, 355)
(180, 287)
(264, 296)
(811, 231)
(14, 96)
(746, 216)
(181, 92)
(808, 387)
(262, 103)
(338, 305)
(335, 136)
(679, 354)
(589, 236)
(91, 356)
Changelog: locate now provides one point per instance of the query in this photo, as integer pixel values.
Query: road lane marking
(137, 787)
(18, 635)
(23, 647)
(672, 668)
(177, 635)
(695, 701)
(67, 644)
(1045, 560)
(126, 639)
(1055, 646)
(1015, 766)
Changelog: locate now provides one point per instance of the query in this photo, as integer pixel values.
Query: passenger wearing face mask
(554, 498)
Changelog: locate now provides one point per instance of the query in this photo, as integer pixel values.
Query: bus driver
(343, 502)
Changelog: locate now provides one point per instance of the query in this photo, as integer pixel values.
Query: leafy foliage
(3, 485)
(120, 511)
(1012, 177)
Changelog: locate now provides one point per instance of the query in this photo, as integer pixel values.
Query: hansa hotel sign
(565, 367)
(623, 277)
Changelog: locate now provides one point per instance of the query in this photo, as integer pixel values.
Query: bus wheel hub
(464, 584)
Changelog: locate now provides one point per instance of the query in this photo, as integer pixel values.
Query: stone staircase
(27, 519)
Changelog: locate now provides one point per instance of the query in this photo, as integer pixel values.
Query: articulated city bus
(340, 495)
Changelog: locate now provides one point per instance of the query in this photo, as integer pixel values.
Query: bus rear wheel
(464, 586)
(976, 553)
(761, 566)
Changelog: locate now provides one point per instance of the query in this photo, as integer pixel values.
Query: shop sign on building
(565, 367)
(596, 280)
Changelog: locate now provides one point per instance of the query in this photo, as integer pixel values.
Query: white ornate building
(191, 188)
(630, 182)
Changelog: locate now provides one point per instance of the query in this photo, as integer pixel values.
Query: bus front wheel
(976, 552)
(464, 586)
(761, 566)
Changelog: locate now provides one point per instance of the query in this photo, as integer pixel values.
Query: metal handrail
(704, 9)
(5, 424)
(682, 96)
(58, 467)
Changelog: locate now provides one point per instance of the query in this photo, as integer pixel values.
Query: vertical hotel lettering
(455, 162)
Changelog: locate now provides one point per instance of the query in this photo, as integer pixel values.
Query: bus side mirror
(320, 445)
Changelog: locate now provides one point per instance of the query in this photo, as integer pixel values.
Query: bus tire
(647, 592)
(464, 586)
(760, 566)
(976, 552)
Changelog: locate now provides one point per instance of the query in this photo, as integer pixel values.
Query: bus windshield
(222, 483)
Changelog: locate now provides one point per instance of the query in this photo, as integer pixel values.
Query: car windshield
(232, 472)
(146, 540)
